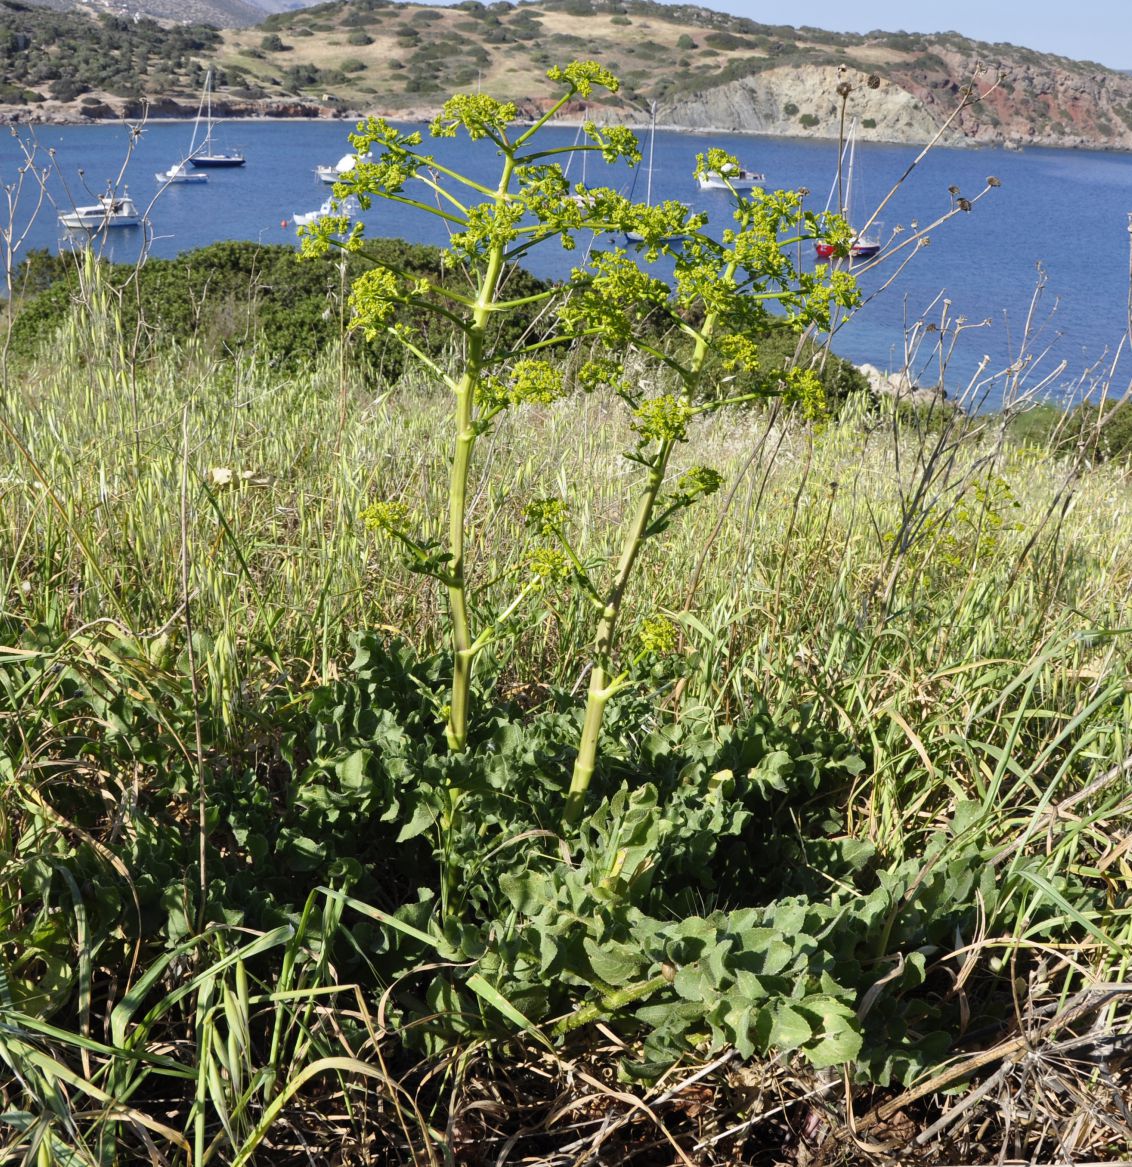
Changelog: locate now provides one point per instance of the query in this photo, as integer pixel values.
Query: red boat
(864, 244)
(859, 248)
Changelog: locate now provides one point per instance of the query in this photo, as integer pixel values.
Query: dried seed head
(873, 81)
(953, 190)
(992, 181)
(844, 89)
(963, 204)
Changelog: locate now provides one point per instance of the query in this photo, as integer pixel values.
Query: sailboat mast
(652, 142)
(196, 124)
(208, 111)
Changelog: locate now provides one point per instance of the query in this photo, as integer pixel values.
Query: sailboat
(862, 245)
(207, 153)
(635, 236)
(578, 194)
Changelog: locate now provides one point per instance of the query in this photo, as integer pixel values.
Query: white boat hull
(109, 211)
(180, 173)
(343, 166)
(306, 218)
(744, 180)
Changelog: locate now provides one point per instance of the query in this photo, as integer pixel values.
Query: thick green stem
(611, 1003)
(463, 648)
(600, 689)
(457, 730)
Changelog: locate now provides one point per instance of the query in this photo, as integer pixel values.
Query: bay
(1059, 221)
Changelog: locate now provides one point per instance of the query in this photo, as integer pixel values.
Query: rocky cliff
(803, 101)
(1010, 103)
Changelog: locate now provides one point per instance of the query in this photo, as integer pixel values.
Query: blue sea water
(1059, 222)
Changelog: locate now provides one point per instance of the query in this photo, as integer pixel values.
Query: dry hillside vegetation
(705, 69)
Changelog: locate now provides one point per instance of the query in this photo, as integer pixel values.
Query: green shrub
(67, 89)
(1105, 435)
(358, 37)
(238, 296)
(727, 42)
(809, 120)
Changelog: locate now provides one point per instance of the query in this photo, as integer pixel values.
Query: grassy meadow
(848, 879)
(953, 603)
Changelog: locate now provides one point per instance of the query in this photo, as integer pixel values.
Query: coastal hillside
(706, 70)
(218, 13)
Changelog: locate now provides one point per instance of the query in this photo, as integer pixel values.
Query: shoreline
(420, 116)
(416, 118)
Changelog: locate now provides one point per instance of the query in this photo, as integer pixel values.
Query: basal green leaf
(614, 963)
(789, 1028)
(424, 815)
(836, 1046)
(352, 769)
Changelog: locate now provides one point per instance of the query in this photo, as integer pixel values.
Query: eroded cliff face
(1013, 103)
(804, 102)
(1029, 99)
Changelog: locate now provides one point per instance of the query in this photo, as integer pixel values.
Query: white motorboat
(330, 207)
(180, 172)
(343, 166)
(111, 210)
(731, 178)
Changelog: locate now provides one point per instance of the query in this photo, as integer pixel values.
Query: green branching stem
(536, 346)
(440, 291)
(424, 358)
(463, 648)
(435, 167)
(582, 575)
(602, 685)
(723, 402)
(538, 155)
(428, 208)
(437, 309)
(523, 301)
(546, 117)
